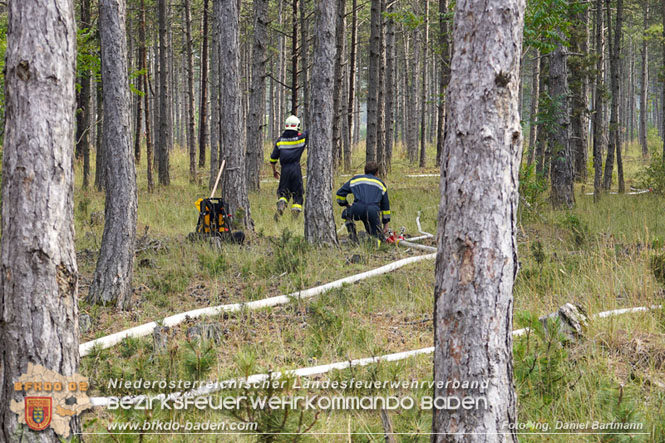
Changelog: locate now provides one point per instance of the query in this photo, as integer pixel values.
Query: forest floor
(601, 256)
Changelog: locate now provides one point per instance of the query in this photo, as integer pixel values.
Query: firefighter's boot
(351, 227)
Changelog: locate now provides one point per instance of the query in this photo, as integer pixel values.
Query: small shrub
(653, 175)
(657, 265)
(578, 228)
(532, 193)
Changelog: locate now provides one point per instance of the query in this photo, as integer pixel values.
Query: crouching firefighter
(370, 203)
(288, 150)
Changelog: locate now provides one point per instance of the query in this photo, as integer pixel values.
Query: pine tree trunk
(533, 109)
(257, 99)
(232, 132)
(112, 282)
(338, 84)
(146, 102)
(165, 113)
(352, 90)
(562, 158)
(598, 118)
(100, 165)
(477, 248)
(38, 272)
(203, 101)
(372, 87)
(304, 46)
(423, 96)
(83, 99)
(138, 127)
(615, 139)
(579, 89)
(444, 78)
(191, 143)
(390, 89)
(644, 93)
(215, 153)
(294, 57)
(381, 102)
(319, 219)
(663, 97)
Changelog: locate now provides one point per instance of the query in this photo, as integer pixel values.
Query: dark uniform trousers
(368, 214)
(290, 184)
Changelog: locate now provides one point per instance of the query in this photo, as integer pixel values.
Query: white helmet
(292, 123)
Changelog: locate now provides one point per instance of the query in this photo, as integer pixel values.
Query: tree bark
(338, 84)
(232, 132)
(477, 248)
(390, 89)
(38, 272)
(191, 144)
(319, 219)
(112, 282)
(203, 103)
(381, 101)
(614, 140)
(423, 96)
(598, 118)
(372, 89)
(663, 97)
(257, 98)
(562, 158)
(304, 56)
(579, 80)
(294, 57)
(352, 85)
(165, 113)
(644, 93)
(533, 109)
(444, 78)
(214, 99)
(146, 101)
(83, 99)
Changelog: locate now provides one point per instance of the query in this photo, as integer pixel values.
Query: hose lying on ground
(215, 386)
(147, 328)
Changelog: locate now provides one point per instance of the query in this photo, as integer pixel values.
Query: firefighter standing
(288, 150)
(370, 199)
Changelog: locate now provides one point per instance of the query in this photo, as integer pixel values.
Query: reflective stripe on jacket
(369, 190)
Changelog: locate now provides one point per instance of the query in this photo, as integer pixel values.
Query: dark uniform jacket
(289, 147)
(368, 190)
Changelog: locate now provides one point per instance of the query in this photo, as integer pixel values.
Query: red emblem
(38, 412)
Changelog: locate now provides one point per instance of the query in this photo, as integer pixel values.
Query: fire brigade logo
(38, 412)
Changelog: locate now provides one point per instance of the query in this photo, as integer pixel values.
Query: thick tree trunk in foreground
(38, 274)
(232, 134)
(562, 157)
(165, 143)
(319, 218)
(112, 282)
(257, 98)
(477, 249)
